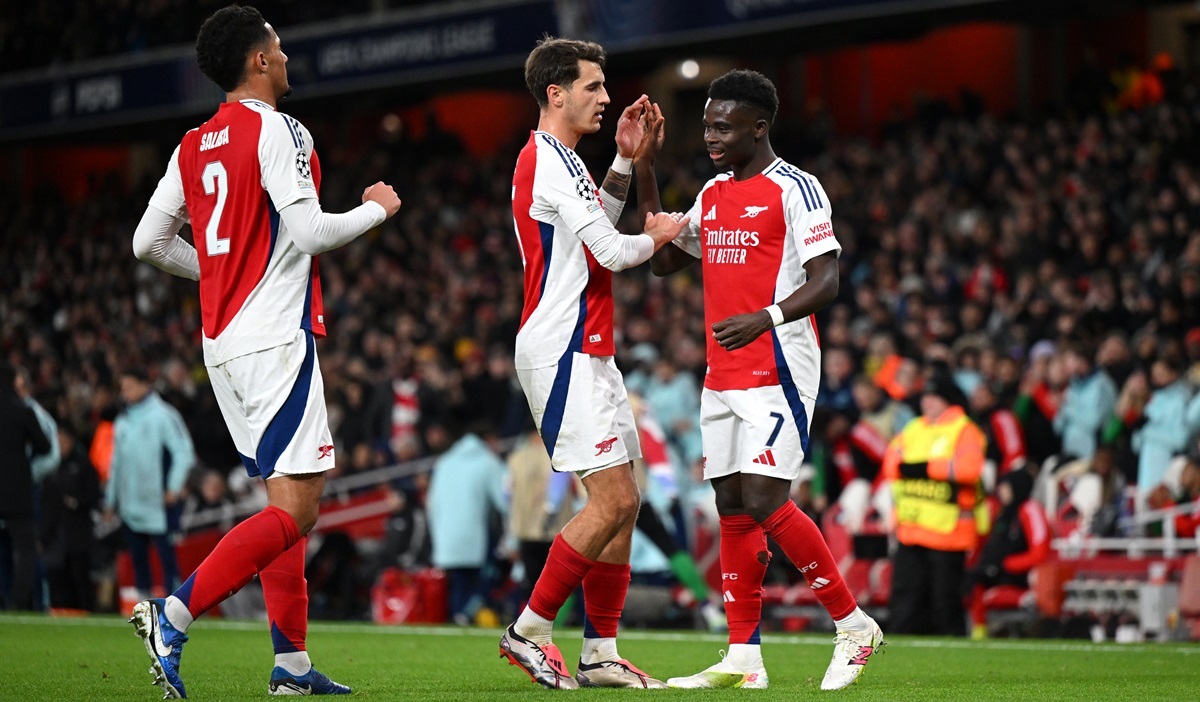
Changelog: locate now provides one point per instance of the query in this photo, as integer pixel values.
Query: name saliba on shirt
(728, 245)
(211, 140)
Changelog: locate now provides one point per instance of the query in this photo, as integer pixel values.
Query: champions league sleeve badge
(302, 165)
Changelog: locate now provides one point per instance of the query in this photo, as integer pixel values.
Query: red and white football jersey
(229, 178)
(568, 294)
(753, 238)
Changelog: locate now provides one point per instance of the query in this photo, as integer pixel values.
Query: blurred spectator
(657, 479)
(69, 495)
(406, 539)
(541, 502)
(20, 435)
(358, 425)
(42, 465)
(1163, 497)
(1095, 496)
(936, 465)
(1164, 428)
(673, 399)
(1192, 352)
(466, 486)
(208, 504)
(1005, 440)
(1038, 401)
(884, 416)
(152, 454)
(836, 375)
(1087, 403)
(1020, 540)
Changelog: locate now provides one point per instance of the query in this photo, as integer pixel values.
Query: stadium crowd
(1052, 265)
(38, 35)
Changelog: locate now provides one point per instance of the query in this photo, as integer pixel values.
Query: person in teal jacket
(1165, 432)
(47, 463)
(152, 454)
(467, 481)
(1086, 406)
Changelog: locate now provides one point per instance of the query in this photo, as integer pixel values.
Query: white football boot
(851, 651)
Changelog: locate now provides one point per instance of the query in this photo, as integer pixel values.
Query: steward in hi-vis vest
(935, 465)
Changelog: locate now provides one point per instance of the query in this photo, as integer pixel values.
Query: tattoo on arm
(617, 184)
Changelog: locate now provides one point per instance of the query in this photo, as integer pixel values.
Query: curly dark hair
(748, 87)
(224, 41)
(556, 62)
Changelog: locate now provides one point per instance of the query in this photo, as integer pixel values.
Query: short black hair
(748, 87)
(137, 372)
(224, 41)
(555, 61)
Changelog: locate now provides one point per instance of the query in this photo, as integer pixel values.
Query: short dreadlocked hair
(224, 41)
(749, 88)
(555, 61)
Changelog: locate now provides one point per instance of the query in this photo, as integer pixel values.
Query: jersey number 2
(215, 181)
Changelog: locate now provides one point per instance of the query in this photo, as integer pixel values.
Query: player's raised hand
(385, 195)
(630, 127)
(739, 330)
(652, 134)
(664, 227)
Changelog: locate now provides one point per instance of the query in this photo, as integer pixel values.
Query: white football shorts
(273, 402)
(582, 412)
(757, 430)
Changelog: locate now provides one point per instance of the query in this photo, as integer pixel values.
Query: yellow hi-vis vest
(943, 509)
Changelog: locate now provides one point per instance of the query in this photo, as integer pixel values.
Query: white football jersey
(229, 178)
(568, 294)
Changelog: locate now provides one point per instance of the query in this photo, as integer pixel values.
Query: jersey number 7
(215, 181)
(778, 425)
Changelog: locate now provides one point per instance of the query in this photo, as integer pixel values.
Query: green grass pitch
(100, 658)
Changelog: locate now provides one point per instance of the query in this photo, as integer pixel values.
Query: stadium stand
(1001, 245)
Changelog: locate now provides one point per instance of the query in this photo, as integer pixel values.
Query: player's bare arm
(630, 135)
(818, 291)
(645, 157)
(666, 259)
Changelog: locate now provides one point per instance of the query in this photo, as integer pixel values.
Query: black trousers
(927, 588)
(21, 534)
(533, 556)
(71, 582)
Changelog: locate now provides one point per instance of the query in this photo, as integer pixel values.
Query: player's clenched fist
(664, 227)
(385, 195)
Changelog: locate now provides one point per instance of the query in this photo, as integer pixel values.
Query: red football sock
(564, 571)
(604, 590)
(286, 593)
(244, 551)
(801, 540)
(744, 558)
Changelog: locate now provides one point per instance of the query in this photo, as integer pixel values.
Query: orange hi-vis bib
(944, 510)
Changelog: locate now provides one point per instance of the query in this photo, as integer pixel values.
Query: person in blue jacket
(152, 454)
(1167, 425)
(466, 484)
(1087, 404)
